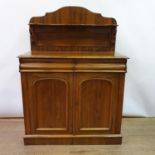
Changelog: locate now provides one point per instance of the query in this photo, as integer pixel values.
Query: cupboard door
(51, 103)
(96, 95)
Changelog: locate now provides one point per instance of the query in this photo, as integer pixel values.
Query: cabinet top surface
(73, 56)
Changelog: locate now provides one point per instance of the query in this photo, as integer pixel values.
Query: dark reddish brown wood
(94, 107)
(95, 98)
(72, 29)
(73, 15)
(73, 140)
(72, 83)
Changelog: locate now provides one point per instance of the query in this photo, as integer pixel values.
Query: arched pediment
(73, 15)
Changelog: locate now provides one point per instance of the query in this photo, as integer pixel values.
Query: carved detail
(32, 36)
(113, 38)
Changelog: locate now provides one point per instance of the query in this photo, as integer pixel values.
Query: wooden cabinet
(72, 87)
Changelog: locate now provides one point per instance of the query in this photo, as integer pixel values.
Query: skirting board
(73, 139)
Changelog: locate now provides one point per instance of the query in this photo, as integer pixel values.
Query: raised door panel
(94, 103)
(51, 103)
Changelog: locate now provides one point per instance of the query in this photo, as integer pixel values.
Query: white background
(135, 39)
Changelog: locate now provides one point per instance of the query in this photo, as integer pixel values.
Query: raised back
(72, 29)
(73, 15)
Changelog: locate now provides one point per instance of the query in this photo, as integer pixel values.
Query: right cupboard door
(96, 103)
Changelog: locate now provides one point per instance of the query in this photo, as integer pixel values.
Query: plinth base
(108, 139)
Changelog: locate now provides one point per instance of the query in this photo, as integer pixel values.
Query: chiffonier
(72, 80)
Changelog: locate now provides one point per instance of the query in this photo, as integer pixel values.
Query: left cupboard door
(47, 99)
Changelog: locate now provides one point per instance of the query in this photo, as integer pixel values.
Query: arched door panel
(51, 103)
(94, 103)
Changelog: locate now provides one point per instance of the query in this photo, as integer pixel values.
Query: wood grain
(54, 101)
(94, 103)
(73, 29)
(73, 15)
(72, 82)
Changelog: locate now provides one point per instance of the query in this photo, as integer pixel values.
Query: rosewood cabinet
(72, 86)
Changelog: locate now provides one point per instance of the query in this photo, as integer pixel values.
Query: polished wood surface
(72, 82)
(73, 29)
(95, 108)
(138, 139)
(72, 63)
(52, 95)
(72, 100)
(73, 16)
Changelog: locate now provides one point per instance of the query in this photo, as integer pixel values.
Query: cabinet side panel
(26, 103)
(119, 108)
